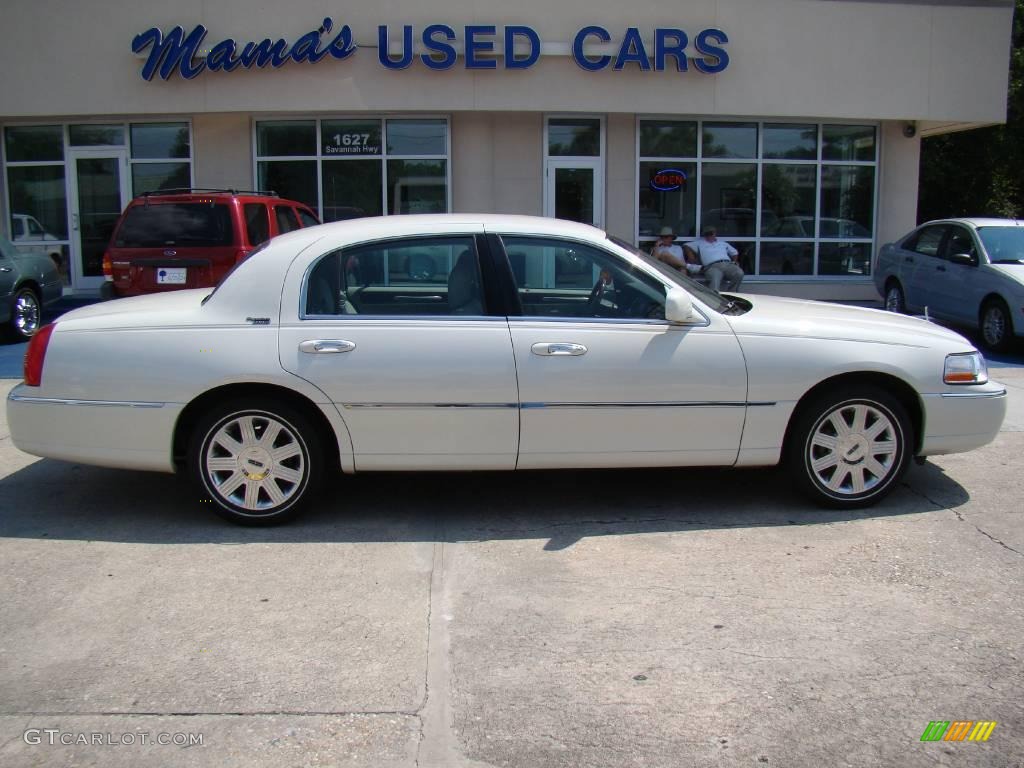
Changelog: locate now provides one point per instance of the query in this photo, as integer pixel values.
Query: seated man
(718, 259)
(667, 251)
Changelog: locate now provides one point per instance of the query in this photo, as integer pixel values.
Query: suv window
(926, 241)
(151, 225)
(417, 276)
(257, 223)
(307, 219)
(560, 278)
(285, 216)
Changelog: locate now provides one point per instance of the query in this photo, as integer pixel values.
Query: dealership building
(792, 126)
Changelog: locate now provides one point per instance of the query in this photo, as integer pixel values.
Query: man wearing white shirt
(667, 251)
(719, 260)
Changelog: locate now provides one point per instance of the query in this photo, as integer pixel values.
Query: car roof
(977, 221)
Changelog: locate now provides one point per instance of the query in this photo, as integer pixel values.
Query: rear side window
(286, 220)
(927, 241)
(257, 223)
(307, 218)
(152, 225)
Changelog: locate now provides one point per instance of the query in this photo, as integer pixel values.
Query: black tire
(253, 487)
(877, 461)
(895, 299)
(26, 315)
(996, 325)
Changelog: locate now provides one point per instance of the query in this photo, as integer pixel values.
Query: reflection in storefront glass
(848, 193)
(34, 143)
(844, 259)
(284, 138)
(728, 201)
(675, 208)
(668, 138)
(790, 142)
(160, 140)
(351, 189)
(730, 140)
(38, 191)
(574, 137)
(149, 177)
(95, 135)
(417, 186)
(416, 137)
(848, 142)
(787, 258)
(574, 194)
(787, 200)
(292, 179)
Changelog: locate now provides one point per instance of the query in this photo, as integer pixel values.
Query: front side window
(558, 278)
(257, 223)
(348, 168)
(960, 242)
(419, 276)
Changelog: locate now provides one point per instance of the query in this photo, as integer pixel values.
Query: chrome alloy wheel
(993, 326)
(853, 449)
(894, 299)
(255, 462)
(26, 313)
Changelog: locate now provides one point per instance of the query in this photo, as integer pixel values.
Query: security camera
(910, 129)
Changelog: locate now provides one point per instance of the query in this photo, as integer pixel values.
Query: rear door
(402, 337)
(918, 258)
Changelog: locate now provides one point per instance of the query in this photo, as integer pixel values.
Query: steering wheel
(596, 294)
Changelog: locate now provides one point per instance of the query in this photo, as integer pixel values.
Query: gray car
(28, 282)
(964, 271)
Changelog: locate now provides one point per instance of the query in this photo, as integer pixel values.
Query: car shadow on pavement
(57, 500)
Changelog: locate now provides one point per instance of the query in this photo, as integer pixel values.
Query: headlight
(965, 368)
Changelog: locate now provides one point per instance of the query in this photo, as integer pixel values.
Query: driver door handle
(557, 349)
(326, 346)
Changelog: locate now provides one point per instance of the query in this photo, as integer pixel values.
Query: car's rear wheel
(26, 315)
(848, 451)
(894, 298)
(257, 463)
(996, 326)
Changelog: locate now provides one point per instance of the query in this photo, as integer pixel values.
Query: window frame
(383, 156)
(760, 161)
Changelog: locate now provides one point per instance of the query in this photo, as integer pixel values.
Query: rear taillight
(108, 267)
(36, 354)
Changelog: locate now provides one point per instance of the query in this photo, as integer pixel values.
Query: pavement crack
(1002, 544)
(962, 519)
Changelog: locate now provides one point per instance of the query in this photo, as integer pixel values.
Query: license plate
(171, 275)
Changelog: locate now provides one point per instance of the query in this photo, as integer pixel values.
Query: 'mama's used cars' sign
(189, 55)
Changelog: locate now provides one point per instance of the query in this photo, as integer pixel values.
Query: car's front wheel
(894, 299)
(848, 451)
(996, 325)
(257, 463)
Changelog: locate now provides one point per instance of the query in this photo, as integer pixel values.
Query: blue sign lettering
(184, 54)
(591, 65)
(715, 51)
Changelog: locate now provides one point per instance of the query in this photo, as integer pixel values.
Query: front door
(98, 182)
(604, 380)
(575, 191)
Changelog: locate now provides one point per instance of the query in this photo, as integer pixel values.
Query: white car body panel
(466, 392)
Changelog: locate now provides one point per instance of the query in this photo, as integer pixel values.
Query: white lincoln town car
(459, 342)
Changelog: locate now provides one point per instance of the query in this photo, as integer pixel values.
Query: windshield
(713, 299)
(153, 225)
(1004, 245)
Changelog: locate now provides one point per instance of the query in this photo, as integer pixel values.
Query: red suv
(190, 238)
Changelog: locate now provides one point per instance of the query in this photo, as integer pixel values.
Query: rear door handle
(326, 346)
(5, 269)
(558, 349)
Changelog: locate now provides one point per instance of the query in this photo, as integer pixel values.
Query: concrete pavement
(625, 618)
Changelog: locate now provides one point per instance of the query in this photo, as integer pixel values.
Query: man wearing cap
(719, 260)
(667, 251)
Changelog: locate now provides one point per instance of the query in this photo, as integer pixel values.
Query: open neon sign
(668, 180)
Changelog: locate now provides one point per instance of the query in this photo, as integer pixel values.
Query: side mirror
(679, 306)
(963, 258)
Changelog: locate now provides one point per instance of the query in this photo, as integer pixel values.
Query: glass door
(98, 192)
(575, 191)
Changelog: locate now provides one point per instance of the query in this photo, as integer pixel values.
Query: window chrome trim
(421, 406)
(97, 403)
(538, 405)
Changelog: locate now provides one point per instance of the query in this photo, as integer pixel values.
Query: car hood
(170, 308)
(775, 316)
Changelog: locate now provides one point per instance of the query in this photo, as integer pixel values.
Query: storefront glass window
(96, 135)
(150, 177)
(574, 137)
(286, 138)
(34, 143)
(847, 199)
(730, 140)
(157, 141)
(366, 167)
(351, 189)
(293, 179)
(790, 142)
(668, 138)
(848, 142)
(801, 201)
(38, 191)
(668, 198)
